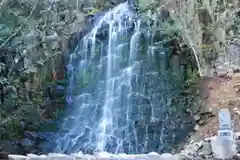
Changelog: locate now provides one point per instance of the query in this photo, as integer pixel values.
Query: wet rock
(9, 147)
(197, 151)
(133, 5)
(26, 142)
(31, 135)
(3, 155)
(27, 145)
(206, 149)
(238, 146)
(192, 149)
(236, 157)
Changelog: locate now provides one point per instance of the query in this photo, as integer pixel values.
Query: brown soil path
(219, 92)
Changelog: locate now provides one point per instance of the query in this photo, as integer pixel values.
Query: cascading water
(119, 98)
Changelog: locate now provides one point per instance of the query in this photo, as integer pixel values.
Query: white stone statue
(223, 145)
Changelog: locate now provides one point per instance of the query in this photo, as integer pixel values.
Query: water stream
(119, 95)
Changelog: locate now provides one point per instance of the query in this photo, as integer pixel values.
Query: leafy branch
(19, 28)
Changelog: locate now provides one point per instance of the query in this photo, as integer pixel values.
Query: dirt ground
(219, 92)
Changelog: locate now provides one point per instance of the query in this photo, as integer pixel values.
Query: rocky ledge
(205, 149)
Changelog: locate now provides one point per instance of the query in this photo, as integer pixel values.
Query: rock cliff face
(36, 40)
(209, 27)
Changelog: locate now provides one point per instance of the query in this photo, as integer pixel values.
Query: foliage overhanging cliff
(208, 27)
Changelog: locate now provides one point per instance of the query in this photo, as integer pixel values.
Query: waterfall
(117, 98)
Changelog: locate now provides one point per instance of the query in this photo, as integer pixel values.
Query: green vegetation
(93, 11)
(31, 71)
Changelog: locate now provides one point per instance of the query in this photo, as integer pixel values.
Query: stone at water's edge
(193, 151)
(17, 157)
(97, 156)
(36, 157)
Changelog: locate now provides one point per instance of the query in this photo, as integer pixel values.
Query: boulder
(3, 155)
(236, 157)
(206, 149)
(8, 147)
(192, 149)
